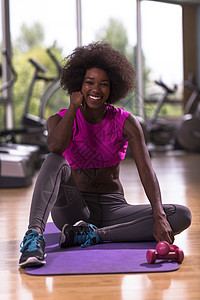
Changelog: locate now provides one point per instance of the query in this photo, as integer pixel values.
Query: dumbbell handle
(151, 256)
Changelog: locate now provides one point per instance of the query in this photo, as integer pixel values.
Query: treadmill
(17, 165)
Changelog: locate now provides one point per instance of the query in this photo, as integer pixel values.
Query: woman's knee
(180, 219)
(185, 215)
(54, 158)
(55, 166)
(54, 162)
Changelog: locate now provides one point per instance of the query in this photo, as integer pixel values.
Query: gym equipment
(18, 162)
(152, 256)
(10, 83)
(36, 125)
(15, 171)
(27, 156)
(33, 131)
(161, 132)
(172, 252)
(16, 167)
(164, 248)
(22, 150)
(158, 133)
(183, 134)
(188, 130)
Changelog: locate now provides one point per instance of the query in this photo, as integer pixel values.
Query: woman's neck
(94, 116)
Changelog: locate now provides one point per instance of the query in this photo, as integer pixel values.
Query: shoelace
(88, 242)
(30, 242)
(84, 238)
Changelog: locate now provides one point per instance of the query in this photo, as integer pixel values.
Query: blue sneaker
(32, 249)
(81, 233)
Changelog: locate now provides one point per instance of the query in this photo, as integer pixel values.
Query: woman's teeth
(95, 98)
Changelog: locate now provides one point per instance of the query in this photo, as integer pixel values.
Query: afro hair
(98, 55)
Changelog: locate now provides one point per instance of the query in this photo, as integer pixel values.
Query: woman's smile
(94, 98)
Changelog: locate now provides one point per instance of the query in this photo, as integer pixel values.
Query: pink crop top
(97, 145)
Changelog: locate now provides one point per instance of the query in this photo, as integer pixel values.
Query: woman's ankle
(36, 228)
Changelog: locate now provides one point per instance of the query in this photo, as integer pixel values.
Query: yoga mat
(105, 258)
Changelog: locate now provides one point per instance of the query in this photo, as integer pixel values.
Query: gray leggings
(56, 192)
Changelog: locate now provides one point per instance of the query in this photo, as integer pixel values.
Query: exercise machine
(164, 251)
(160, 132)
(18, 162)
(36, 125)
(188, 130)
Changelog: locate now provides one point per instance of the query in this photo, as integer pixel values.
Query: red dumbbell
(152, 255)
(163, 248)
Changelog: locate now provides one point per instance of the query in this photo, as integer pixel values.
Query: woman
(79, 181)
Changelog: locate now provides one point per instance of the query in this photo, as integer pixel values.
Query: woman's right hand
(76, 99)
(60, 129)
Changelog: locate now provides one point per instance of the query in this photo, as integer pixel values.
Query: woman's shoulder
(118, 112)
(62, 112)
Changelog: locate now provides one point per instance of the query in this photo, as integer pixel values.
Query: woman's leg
(55, 191)
(122, 222)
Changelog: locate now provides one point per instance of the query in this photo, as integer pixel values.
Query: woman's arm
(133, 132)
(60, 129)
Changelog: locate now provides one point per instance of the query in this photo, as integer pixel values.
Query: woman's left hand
(162, 230)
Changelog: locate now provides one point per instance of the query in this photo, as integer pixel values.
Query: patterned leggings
(56, 192)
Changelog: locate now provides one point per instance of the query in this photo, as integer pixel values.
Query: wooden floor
(179, 176)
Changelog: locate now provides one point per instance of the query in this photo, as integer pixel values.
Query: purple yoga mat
(105, 258)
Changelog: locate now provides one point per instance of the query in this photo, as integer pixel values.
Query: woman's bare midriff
(98, 181)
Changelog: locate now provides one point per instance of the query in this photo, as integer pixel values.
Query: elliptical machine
(33, 130)
(160, 132)
(188, 130)
(18, 162)
(36, 125)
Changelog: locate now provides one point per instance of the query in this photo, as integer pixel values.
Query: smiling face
(96, 87)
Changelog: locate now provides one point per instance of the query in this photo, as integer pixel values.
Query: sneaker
(81, 233)
(32, 249)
